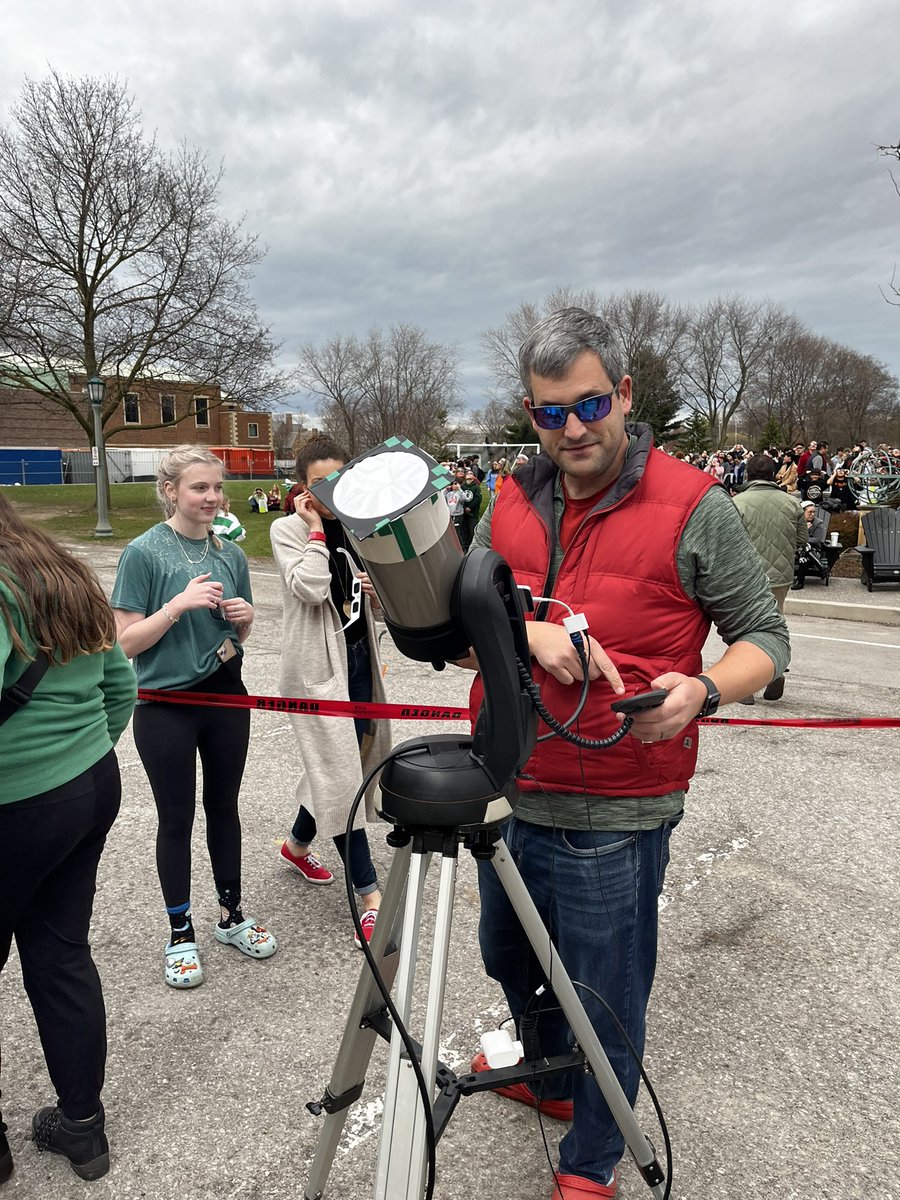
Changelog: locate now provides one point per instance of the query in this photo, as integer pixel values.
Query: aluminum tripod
(402, 1151)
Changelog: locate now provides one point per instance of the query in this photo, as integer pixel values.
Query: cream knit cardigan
(314, 666)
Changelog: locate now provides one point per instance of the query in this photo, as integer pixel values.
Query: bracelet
(174, 620)
(317, 536)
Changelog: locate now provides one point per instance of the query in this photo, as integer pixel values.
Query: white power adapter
(499, 1049)
(576, 623)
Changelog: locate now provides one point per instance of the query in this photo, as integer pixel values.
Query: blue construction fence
(34, 465)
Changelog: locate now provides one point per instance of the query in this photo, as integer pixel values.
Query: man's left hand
(685, 699)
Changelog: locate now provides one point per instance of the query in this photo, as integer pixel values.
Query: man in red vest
(652, 551)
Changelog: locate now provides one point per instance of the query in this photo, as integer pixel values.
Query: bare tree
(649, 331)
(723, 358)
(501, 344)
(492, 420)
(394, 382)
(860, 395)
(787, 390)
(114, 259)
(894, 287)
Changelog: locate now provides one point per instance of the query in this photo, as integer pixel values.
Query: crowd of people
(810, 471)
(470, 486)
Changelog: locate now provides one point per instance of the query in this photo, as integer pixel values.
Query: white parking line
(819, 637)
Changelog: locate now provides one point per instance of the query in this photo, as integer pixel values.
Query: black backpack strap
(19, 693)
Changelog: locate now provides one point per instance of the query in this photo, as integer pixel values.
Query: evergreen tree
(656, 400)
(694, 435)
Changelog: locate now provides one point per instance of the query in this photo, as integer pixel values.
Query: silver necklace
(192, 561)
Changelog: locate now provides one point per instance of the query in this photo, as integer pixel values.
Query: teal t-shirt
(153, 569)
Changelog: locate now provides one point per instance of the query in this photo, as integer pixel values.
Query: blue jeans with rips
(597, 894)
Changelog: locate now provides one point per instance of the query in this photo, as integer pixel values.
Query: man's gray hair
(553, 345)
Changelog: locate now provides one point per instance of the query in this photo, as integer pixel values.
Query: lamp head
(96, 389)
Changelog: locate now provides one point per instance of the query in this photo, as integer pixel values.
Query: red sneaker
(306, 865)
(367, 920)
(559, 1110)
(574, 1187)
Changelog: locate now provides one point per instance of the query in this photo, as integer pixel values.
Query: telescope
(438, 793)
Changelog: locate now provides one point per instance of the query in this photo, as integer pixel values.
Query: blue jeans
(597, 895)
(362, 869)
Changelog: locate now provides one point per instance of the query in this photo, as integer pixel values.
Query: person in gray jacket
(776, 525)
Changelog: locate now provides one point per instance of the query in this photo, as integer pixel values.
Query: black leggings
(50, 846)
(168, 738)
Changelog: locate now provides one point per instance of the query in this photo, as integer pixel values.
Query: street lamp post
(96, 391)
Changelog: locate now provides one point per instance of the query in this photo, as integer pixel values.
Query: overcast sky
(437, 164)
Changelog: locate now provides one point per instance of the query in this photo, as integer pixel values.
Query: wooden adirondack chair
(881, 553)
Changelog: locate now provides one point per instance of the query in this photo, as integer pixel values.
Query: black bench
(881, 553)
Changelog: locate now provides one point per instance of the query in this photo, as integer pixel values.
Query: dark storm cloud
(437, 165)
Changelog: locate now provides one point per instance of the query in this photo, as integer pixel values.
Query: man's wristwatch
(711, 703)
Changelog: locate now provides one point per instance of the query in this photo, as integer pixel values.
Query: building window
(132, 407)
(252, 429)
(201, 410)
(167, 408)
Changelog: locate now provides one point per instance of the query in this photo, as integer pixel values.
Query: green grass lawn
(67, 511)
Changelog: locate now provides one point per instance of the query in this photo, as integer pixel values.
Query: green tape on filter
(404, 543)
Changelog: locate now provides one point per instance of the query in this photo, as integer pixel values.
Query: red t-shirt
(574, 513)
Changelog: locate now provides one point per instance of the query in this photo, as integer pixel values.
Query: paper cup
(834, 539)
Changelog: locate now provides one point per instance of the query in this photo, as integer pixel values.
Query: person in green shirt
(183, 608)
(59, 795)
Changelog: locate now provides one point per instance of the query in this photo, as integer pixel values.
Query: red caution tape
(425, 712)
(317, 708)
(811, 722)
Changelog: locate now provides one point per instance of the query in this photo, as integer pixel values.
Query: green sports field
(67, 511)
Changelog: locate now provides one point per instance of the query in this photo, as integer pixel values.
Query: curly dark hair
(317, 449)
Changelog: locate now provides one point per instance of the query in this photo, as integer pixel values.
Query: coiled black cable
(560, 728)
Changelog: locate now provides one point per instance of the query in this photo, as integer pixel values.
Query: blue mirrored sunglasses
(554, 416)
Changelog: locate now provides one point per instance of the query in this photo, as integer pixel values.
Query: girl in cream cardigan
(329, 652)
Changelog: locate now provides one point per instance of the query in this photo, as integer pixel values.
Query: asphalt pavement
(773, 1028)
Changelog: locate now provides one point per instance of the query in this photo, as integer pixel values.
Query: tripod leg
(349, 1071)
(571, 1005)
(403, 1150)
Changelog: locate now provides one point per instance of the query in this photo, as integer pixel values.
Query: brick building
(198, 415)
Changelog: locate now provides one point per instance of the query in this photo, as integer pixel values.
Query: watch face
(713, 697)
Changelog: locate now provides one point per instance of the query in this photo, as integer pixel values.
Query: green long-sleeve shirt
(75, 716)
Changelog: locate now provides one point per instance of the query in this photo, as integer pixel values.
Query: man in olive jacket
(776, 525)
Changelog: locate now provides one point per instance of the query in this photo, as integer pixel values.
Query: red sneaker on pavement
(367, 920)
(574, 1187)
(306, 865)
(559, 1110)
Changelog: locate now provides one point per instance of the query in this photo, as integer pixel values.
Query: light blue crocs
(250, 938)
(183, 968)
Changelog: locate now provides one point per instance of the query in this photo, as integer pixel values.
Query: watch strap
(711, 703)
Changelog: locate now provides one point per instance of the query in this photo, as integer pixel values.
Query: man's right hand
(551, 645)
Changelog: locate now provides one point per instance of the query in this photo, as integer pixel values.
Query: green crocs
(183, 968)
(250, 938)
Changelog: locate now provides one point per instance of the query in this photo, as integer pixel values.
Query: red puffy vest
(620, 570)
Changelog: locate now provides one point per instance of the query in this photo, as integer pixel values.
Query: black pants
(50, 846)
(168, 738)
(467, 526)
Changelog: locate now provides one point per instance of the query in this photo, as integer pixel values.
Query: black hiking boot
(83, 1143)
